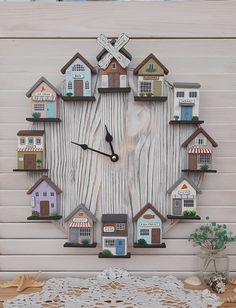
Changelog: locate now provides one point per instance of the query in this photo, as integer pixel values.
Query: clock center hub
(114, 158)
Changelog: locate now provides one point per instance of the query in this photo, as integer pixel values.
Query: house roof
(114, 218)
(49, 182)
(30, 133)
(76, 56)
(145, 208)
(42, 79)
(180, 180)
(151, 56)
(83, 208)
(122, 50)
(197, 132)
(186, 85)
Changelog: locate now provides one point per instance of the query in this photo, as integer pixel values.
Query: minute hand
(109, 139)
(86, 147)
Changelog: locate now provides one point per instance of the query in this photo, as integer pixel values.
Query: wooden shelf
(79, 98)
(185, 122)
(199, 171)
(162, 245)
(115, 257)
(183, 217)
(44, 218)
(30, 170)
(68, 244)
(150, 98)
(114, 90)
(43, 120)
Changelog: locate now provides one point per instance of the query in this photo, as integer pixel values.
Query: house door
(44, 208)
(177, 206)
(156, 236)
(51, 110)
(157, 88)
(74, 235)
(120, 247)
(186, 113)
(78, 88)
(192, 161)
(113, 80)
(29, 161)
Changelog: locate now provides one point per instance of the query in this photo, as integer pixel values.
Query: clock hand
(109, 139)
(86, 147)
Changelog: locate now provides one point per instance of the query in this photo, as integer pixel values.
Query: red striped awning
(199, 151)
(79, 225)
(29, 149)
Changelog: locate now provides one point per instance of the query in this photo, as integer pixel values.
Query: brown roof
(46, 179)
(145, 208)
(30, 133)
(78, 55)
(198, 131)
(42, 79)
(151, 56)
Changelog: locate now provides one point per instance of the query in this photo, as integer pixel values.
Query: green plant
(204, 167)
(35, 214)
(85, 242)
(212, 236)
(39, 162)
(69, 94)
(195, 118)
(149, 94)
(36, 115)
(54, 214)
(142, 242)
(190, 213)
(176, 117)
(107, 253)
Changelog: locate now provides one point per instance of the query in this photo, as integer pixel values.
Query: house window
(78, 67)
(145, 87)
(38, 107)
(52, 193)
(180, 94)
(30, 141)
(109, 243)
(86, 85)
(120, 226)
(37, 194)
(52, 205)
(38, 141)
(151, 67)
(188, 203)
(204, 158)
(45, 194)
(69, 85)
(199, 141)
(144, 231)
(193, 94)
(113, 65)
(22, 141)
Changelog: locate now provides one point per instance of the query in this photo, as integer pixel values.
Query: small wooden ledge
(79, 98)
(150, 98)
(44, 218)
(184, 217)
(68, 244)
(43, 120)
(199, 171)
(115, 257)
(185, 122)
(114, 90)
(30, 170)
(162, 245)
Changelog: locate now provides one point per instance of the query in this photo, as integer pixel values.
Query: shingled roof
(151, 56)
(42, 79)
(180, 180)
(114, 218)
(83, 208)
(197, 132)
(145, 208)
(30, 133)
(76, 56)
(50, 183)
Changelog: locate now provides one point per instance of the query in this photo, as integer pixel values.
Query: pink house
(44, 98)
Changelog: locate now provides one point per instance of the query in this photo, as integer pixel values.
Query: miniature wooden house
(115, 233)
(81, 227)
(44, 195)
(150, 74)
(148, 225)
(30, 149)
(186, 100)
(44, 99)
(199, 148)
(78, 73)
(114, 75)
(183, 196)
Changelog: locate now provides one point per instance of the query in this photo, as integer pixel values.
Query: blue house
(78, 73)
(148, 225)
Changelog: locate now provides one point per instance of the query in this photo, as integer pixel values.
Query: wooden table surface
(11, 292)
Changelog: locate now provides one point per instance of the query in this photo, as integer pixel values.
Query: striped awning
(30, 149)
(80, 225)
(199, 151)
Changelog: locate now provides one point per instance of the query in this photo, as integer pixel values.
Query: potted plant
(189, 213)
(106, 253)
(204, 167)
(39, 163)
(36, 115)
(142, 242)
(195, 118)
(69, 94)
(212, 238)
(176, 117)
(85, 242)
(35, 214)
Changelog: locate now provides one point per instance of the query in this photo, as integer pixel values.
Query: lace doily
(115, 288)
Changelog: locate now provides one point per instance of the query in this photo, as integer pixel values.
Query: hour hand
(109, 137)
(83, 146)
(86, 147)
